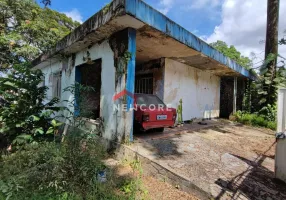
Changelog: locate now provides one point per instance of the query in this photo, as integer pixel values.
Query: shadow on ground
(166, 146)
(226, 160)
(256, 182)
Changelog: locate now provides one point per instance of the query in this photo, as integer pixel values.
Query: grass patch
(254, 119)
(62, 171)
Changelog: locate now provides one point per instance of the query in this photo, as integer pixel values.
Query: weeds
(66, 170)
(255, 119)
(135, 187)
(62, 171)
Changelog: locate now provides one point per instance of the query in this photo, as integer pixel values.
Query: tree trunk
(271, 47)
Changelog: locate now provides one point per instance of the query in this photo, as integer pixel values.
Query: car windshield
(147, 99)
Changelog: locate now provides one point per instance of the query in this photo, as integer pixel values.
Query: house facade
(129, 46)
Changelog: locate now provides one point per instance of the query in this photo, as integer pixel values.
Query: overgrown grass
(254, 119)
(61, 171)
(135, 187)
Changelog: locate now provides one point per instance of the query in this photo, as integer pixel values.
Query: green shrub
(259, 121)
(26, 114)
(272, 125)
(255, 119)
(49, 170)
(269, 112)
(246, 119)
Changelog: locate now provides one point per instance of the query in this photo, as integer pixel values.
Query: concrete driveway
(224, 159)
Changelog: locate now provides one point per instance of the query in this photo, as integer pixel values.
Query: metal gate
(144, 84)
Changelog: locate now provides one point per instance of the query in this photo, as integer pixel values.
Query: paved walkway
(226, 160)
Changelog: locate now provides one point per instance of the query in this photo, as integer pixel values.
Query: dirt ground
(224, 159)
(156, 189)
(159, 190)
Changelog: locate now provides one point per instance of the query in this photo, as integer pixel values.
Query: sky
(241, 23)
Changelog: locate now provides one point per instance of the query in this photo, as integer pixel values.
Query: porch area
(220, 160)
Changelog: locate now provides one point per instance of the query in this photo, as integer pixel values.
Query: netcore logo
(135, 106)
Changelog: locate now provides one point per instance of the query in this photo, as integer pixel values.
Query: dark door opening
(90, 76)
(227, 93)
(144, 84)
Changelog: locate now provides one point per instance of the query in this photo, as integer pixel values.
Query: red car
(151, 113)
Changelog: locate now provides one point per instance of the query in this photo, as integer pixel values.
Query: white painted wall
(280, 156)
(199, 90)
(98, 51)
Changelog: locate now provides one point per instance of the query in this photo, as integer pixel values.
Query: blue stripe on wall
(77, 81)
(130, 82)
(157, 20)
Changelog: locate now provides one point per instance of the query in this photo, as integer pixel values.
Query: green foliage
(261, 95)
(46, 2)
(272, 77)
(268, 83)
(269, 112)
(27, 115)
(256, 119)
(68, 170)
(80, 103)
(232, 53)
(106, 8)
(26, 30)
(135, 188)
(50, 170)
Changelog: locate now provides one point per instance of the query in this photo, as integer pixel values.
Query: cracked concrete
(223, 159)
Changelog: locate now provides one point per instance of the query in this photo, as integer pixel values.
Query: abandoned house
(130, 46)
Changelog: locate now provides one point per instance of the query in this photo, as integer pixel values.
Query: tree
(232, 53)
(26, 114)
(269, 70)
(46, 2)
(27, 30)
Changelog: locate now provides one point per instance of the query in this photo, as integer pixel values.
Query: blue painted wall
(77, 93)
(130, 81)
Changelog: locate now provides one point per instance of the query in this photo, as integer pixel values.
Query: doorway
(90, 89)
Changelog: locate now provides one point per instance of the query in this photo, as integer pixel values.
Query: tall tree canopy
(26, 30)
(232, 53)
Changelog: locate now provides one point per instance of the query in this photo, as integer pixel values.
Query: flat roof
(121, 14)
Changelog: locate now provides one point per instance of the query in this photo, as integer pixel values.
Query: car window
(148, 100)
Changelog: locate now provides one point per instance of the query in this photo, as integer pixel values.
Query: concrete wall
(98, 51)
(158, 82)
(117, 75)
(280, 158)
(199, 90)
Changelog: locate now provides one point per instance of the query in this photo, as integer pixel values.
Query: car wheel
(137, 128)
(160, 129)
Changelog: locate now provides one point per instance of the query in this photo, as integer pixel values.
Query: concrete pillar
(130, 81)
(280, 156)
(234, 94)
(281, 111)
(123, 44)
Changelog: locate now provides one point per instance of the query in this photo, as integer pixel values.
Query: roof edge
(139, 10)
(148, 15)
(113, 9)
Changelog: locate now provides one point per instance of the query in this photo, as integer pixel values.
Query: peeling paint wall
(97, 51)
(158, 81)
(199, 90)
(117, 56)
